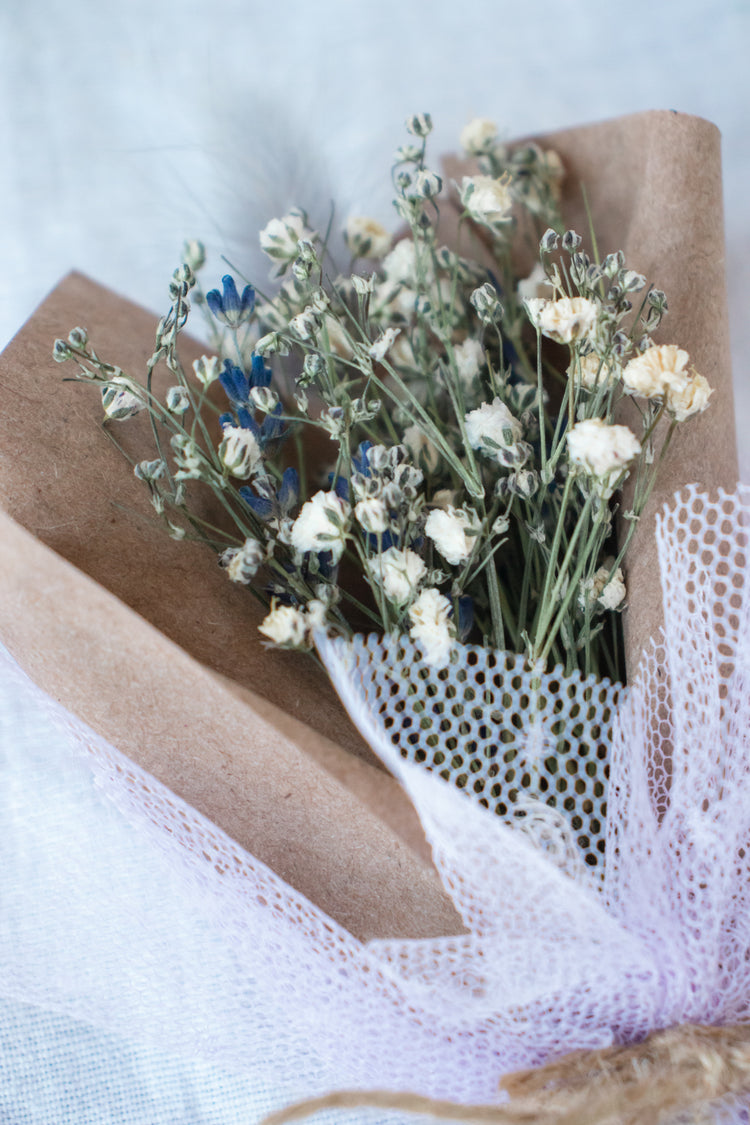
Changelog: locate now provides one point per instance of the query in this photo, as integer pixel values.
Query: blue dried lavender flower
(270, 503)
(228, 306)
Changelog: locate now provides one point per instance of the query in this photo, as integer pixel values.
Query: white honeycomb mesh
(126, 908)
(518, 743)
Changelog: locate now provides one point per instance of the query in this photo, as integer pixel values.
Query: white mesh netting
(602, 899)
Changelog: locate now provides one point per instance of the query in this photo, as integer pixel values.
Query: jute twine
(675, 1074)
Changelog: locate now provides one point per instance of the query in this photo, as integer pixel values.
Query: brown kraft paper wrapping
(146, 640)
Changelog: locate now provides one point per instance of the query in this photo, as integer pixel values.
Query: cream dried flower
(601, 450)
(491, 428)
(280, 237)
(322, 525)
(478, 136)
(399, 572)
(244, 562)
(691, 399)
(454, 532)
(604, 590)
(591, 371)
(660, 369)
(372, 514)
(469, 356)
(487, 200)
(400, 265)
(285, 626)
(366, 238)
(431, 627)
(567, 319)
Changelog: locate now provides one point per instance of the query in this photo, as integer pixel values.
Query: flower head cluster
(423, 461)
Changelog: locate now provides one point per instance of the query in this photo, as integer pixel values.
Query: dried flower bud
(487, 306)
(121, 399)
(264, 399)
(549, 241)
(206, 369)
(419, 124)
(571, 241)
(239, 452)
(194, 254)
(177, 400)
(425, 184)
(61, 352)
(149, 471)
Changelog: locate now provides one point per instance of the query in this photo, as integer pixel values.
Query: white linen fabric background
(127, 127)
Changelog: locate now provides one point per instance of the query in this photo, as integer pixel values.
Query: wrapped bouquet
(461, 442)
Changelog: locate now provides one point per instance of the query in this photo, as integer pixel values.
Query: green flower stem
(473, 486)
(550, 596)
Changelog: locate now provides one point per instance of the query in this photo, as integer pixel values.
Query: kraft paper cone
(147, 641)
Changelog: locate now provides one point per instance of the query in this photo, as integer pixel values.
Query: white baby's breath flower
(602, 451)
(322, 525)
(591, 371)
(279, 238)
(567, 319)
(239, 452)
(612, 594)
(469, 357)
(366, 238)
(383, 344)
(206, 369)
(487, 200)
(285, 626)
(478, 136)
(491, 428)
(431, 627)
(660, 369)
(398, 572)
(422, 451)
(400, 265)
(454, 532)
(608, 593)
(691, 399)
(372, 514)
(243, 563)
(121, 399)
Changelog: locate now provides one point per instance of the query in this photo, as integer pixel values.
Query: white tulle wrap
(594, 911)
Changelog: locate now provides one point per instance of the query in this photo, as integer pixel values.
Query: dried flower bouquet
(471, 478)
(623, 946)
